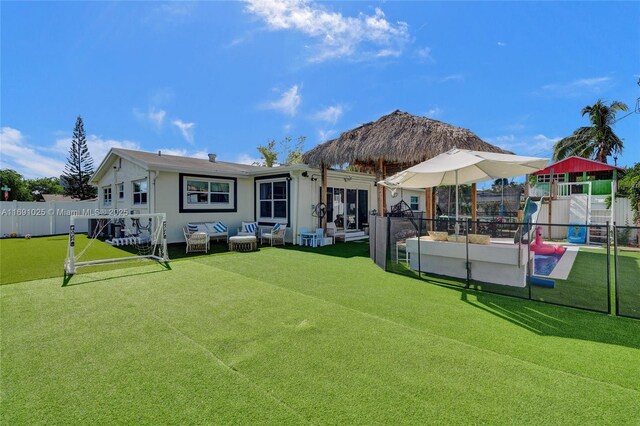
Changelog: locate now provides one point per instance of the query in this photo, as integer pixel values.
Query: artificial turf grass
(43, 257)
(403, 301)
(369, 348)
(585, 288)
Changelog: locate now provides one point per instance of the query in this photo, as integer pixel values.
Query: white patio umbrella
(461, 166)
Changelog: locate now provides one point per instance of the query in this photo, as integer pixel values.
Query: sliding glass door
(350, 212)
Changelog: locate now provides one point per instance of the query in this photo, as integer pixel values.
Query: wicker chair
(274, 235)
(196, 241)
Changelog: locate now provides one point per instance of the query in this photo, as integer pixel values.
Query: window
(205, 192)
(120, 188)
(199, 193)
(545, 178)
(106, 195)
(414, 203)
(273, 200)
(140, 192)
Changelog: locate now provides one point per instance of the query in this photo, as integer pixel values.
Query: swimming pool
(543, 264)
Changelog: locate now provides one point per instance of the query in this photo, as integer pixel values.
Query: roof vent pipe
(212, 158)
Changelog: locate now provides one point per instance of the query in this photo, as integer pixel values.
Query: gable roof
(173, 163)
(575, 164)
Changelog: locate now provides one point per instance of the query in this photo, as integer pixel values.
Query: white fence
(560, 214)
(50, 218)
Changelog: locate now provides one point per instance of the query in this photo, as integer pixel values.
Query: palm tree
(596, 141)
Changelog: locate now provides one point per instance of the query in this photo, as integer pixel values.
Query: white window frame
(417, 202)
(120, 190)
(273, 200)
(209, 205)
(558, 177)
(139, 193)
(107, 195)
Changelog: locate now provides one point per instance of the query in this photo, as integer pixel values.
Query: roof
(576, 164)
(398, 137)
(58, 197)
(175, 163)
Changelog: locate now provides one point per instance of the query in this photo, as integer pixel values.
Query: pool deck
(563, 268)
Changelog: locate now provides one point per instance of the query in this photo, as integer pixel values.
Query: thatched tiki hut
(392, 143)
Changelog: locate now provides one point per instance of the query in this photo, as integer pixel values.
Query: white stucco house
(199, 190)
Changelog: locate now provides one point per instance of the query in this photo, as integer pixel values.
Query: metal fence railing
(592, 267)
(627, 271)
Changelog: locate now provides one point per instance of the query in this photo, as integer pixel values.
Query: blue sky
(225, 77)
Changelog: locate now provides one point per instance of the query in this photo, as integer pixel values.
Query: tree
(79, 168)
(292, 152)
(629, 186)
(45, 185)
(597, 141)
(15, 181)
(269, 153)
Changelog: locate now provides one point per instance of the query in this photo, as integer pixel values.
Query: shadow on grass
(549, 320)
(344, 250)
(536, 316)
(79, 279)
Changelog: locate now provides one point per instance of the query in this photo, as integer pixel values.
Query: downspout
(294, 222)
(152, 206)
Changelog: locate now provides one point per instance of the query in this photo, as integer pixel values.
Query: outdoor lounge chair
(196, 241)
(274, 235)
(215, 230)
(248, 229)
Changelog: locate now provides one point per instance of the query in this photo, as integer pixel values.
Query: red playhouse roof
(576, 164)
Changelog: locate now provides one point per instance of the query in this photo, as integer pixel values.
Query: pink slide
(539, 247)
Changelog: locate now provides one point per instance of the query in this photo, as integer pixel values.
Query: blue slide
(531, 212)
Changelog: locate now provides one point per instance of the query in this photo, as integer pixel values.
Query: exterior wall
(125, 172)
(405, 195)
(307, 193)
(163, 196)
(167, 200)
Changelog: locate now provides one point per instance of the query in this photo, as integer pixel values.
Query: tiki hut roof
(399, 138)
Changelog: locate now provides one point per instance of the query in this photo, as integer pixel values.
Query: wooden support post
(324, 194)
(428, 207)
(474, 205)
(382, 199)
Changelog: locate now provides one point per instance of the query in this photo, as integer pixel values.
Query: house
(576, 191)
(206, 190)
(575, 175)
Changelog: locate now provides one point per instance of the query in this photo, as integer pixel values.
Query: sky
(191, 78)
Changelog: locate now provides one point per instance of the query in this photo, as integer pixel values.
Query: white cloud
(186, 129)
(501, 44)
(184, 153)
(247, 159)
(236, 41)
(579, 86)
(452, 77)
(325, 135)
(330, 114)
(16, 154)
(288, 103)
(388, 53)
(98, 147)
(336, 35)
(424, 54)
(433, 112)
(153, 116)
(533, 145)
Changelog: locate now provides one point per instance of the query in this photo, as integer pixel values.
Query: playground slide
(531, 211)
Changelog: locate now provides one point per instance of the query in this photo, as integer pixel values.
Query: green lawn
(298, 336)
